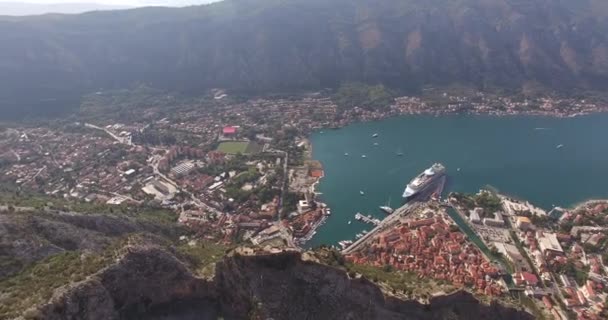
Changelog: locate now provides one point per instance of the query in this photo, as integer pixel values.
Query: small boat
(346, 154)
(458, 169)
(399, 154)
(376, 143)
(559, 146)
(349, 222)
(345, 243)
(375, 135)
(363, 156)
(364, 232)
(387, 209)
(359, 236)
(362, 193)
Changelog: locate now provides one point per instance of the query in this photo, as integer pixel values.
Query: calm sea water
(516, 155)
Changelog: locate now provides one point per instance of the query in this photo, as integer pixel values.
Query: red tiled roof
(316, 173)
(229, 130)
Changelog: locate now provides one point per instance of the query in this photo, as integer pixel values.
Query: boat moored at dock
(425, 179)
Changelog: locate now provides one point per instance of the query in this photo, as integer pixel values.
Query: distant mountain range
(283, 45)
(25, 9)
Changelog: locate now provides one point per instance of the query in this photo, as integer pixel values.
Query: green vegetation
(41, 203)
(203, 256)
(486, 200)
(356, 94)
(489, 202)
(570, 269)
(37, 283)
(531, 306)
(233, 147)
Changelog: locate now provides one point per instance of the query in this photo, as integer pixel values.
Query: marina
(366, 219)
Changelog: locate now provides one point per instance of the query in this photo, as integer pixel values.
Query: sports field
(233, 147)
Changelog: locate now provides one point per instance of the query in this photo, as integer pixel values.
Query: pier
(399, 213)
(362, 218)
(385, 223)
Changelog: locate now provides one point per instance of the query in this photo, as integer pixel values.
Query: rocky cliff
(152, 283)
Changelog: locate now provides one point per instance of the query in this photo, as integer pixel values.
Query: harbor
(414, 200)
(383, 174)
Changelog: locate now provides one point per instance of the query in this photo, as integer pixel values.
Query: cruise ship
(424, 180)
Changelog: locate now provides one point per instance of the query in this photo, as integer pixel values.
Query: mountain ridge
(266, 46)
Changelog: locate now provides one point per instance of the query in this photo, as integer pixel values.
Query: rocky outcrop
(151, 283)
(145, 280)
(26, 238)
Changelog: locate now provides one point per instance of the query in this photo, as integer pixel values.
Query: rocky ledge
(149, 282)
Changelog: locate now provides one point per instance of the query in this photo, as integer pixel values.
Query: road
(285, 181)
(195, 200)
(117, 138)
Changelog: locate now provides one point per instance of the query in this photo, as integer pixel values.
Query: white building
(183, 169)
(497, 221)
(547, 242)
(474, 216)
(303, 206)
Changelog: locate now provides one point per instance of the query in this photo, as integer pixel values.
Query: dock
(382, 225)
(398, 214)
(362, 218)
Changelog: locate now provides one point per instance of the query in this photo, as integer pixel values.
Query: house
(525, 279)
(524, 223)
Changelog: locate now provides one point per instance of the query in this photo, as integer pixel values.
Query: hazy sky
(121, 2)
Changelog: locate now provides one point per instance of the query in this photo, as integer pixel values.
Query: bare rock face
(88, 300)
(151, 283)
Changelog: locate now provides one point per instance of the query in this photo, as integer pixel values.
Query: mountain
(111, 267)
(262, 46)
(25, 9)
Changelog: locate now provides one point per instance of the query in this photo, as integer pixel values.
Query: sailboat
(387, 208)
(362, 193)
